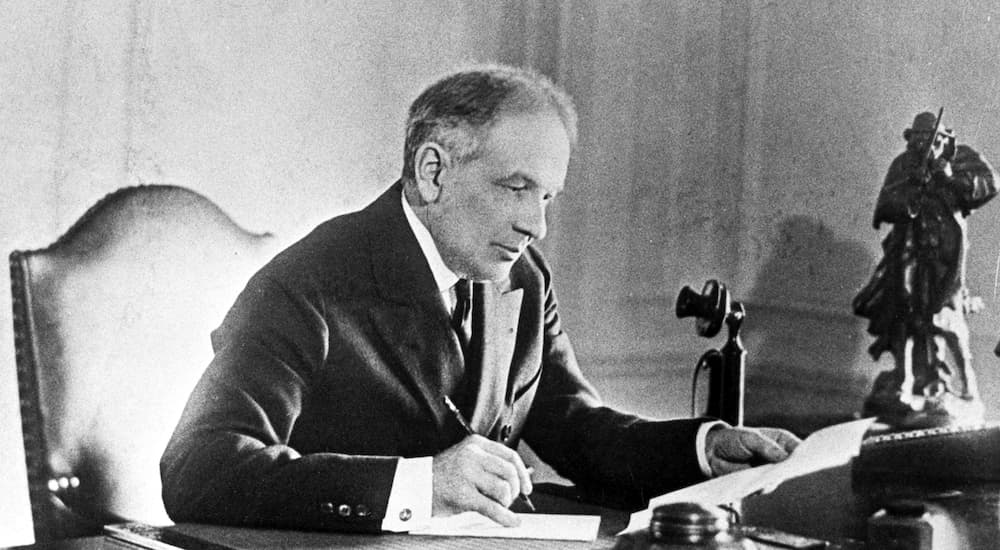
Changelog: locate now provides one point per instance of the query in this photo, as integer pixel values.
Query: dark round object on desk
(693, 525)
(906, 508)
(686, 521)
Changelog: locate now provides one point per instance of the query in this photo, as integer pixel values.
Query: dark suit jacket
(332, 364)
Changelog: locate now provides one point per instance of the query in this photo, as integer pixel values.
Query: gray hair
(458, 110)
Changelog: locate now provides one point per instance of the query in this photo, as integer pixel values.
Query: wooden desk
(83, 543)
(821, 505)
(831, 504)
(612, 521)
(212, 537)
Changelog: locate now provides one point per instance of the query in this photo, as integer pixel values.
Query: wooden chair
(112, 325)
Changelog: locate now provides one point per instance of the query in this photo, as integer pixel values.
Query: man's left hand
(732, 449)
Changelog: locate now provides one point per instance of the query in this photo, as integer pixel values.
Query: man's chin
(493, 273)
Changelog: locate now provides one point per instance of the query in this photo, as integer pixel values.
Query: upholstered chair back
(112, 329)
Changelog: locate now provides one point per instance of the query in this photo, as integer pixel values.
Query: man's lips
(511, 251)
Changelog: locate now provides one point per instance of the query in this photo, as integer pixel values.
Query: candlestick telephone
(711, 309)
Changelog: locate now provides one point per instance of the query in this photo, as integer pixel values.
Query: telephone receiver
(712, 309)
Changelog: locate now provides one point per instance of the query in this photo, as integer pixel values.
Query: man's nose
(531, 221)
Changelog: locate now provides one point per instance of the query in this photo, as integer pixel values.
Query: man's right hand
(480, 475)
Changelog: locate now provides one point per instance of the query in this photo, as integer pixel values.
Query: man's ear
(429, 160)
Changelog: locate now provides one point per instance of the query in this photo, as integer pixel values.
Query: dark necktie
(461, 317)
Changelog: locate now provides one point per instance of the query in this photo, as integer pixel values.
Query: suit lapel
(414, 322)
(494, 338)
(427, 359)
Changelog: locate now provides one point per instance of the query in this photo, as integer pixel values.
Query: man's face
(918, 140)
(491, 207)
(918, 143)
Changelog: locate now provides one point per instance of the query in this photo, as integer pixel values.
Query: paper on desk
(826, 448)
(533, 526)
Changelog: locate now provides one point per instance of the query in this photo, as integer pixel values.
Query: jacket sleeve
(229, 461)
(899, 198)
(615, 458)
(975, 180)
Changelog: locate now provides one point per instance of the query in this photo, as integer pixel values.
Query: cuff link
(405, 514)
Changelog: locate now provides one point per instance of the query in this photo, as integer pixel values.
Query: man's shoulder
(339, 238)
(339, 248)
(905, 161)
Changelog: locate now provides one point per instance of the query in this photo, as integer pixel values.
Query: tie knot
(463, 296)
(463, 305)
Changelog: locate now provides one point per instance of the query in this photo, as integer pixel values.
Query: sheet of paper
(826, 448)
(533, 526)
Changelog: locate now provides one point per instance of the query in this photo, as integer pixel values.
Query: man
(917, 299)
(323, 408)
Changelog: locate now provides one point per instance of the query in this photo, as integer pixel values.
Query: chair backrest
(112, 328)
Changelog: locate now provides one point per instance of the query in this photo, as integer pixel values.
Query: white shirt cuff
(699, 443)
(409, 505)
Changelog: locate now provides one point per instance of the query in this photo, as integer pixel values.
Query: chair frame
(31, 414)
(46, 492)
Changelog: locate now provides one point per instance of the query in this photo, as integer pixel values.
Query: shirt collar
(444, 277)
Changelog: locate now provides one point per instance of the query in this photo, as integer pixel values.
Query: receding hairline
(516, 91)
(531, 91)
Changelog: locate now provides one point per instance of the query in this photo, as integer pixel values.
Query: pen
(468, 430)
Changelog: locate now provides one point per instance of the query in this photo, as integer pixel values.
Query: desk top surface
(612, 522)
(212, 537)
(973, 511)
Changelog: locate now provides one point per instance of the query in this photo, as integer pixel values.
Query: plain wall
(738, 140)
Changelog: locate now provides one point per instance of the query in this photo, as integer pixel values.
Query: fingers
(480, 475)
(784, 438)
(760, 447)
(496, 512)
(495, 487)
(512, 459)
(723, 467)
(733, 449)
(769, 450)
